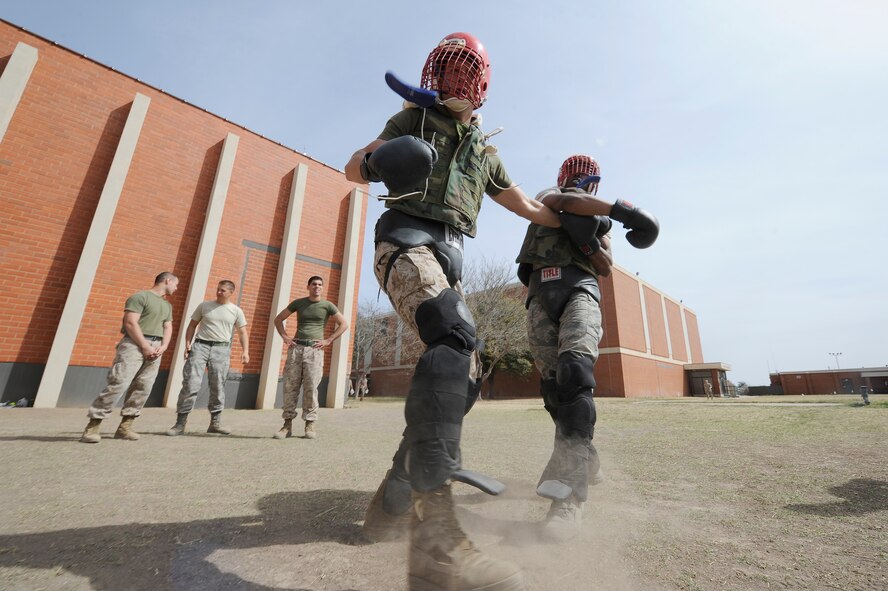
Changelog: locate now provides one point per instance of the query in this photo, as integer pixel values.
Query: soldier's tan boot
(310, 432)
(91, 433)
(595, 474)
(564, 520)
(286, 430)
(179, 427)
(125, 430)
(379, 524)
(216, 424)
(443, 559)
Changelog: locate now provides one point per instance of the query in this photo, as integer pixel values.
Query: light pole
(836, 355)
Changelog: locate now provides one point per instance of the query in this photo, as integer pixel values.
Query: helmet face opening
(577, 168)
(458, 67)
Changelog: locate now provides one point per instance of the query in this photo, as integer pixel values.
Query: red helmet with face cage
(458, 67)
(579, 164)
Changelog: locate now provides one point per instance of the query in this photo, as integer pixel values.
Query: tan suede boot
(443, 559)
(310, 432)
(216, 424)
(564, 520)
(179, 427)
(286, 430)
(125, 430)
(379, 524)
(595, 474)
(91, 433)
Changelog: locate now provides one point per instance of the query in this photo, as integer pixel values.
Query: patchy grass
(728, 494)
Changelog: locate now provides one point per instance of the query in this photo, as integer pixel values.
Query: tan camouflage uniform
(305, 365)
(578, 329)
(415, 277)
(130, 373)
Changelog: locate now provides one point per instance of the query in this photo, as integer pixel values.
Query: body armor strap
(407, 231)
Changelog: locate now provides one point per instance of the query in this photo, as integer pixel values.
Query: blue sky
(754, 131)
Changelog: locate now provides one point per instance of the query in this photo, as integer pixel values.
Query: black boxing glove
(643, 227)
(582, 230)
(604, 226)
(403, 163)
(524, 271)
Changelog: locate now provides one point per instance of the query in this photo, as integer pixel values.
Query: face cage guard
(456, 71)
(579, 166)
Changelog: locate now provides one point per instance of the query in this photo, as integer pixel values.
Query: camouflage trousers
(578, 330)
(415, 277)
(304, 369)
(130, 374)
(216, 360)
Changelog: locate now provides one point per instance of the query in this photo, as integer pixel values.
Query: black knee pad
(577, 418)
(574, 373)
(474, 392)
(438, 390)
(445, 319)
(434, 412)
(549, 392)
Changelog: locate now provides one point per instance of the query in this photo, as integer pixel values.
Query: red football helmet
(579, 165)
(458, 67)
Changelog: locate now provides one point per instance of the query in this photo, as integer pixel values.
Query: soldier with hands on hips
(305, 354)
(561, 268)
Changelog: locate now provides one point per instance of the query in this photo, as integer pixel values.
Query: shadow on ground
(175, 555)
(862, 495)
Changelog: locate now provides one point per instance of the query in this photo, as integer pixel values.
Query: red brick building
(831, 381)
(106, 181)
(651, 348)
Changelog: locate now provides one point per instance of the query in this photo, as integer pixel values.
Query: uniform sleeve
(402, 123)
(169, 314)
(241, 319)
(499, 179)
(332, 310)
(198, 313)
(135, 303)
(293, 306)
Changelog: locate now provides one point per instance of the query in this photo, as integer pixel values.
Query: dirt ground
(726, 494)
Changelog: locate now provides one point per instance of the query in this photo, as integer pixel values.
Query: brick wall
(53, 163)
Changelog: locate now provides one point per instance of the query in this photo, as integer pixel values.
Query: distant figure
(707, 387)
(362, 387)
(864, 393)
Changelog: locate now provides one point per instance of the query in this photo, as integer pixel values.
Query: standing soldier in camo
(305, 356)
(214, 321)
(561, 267)
(147, 330)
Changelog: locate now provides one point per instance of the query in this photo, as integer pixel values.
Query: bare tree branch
(496, 301)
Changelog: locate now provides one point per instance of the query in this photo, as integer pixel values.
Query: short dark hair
(163, 277)
(228, 283)
(313, 277)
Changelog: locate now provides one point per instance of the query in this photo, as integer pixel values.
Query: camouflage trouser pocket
(416, 276)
